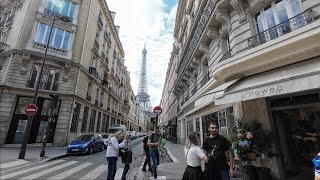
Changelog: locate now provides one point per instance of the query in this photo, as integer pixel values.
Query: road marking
(95, 172)
(47, 171)
(118, 173)
(13, 163)
(70, 171)
(17, 173)
(159, 177)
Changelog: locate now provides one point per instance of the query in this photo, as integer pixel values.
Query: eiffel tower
(143, 97)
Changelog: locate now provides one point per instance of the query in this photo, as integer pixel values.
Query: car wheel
(91, 150)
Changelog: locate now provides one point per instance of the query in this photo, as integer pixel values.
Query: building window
(89, 90)
(92, 120)
(75, 118)
(85, 119)
(276, 13)
(65, 7)
(59, 38)
(98, 122)
(50, 79)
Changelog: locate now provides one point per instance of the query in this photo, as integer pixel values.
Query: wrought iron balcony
(4, 47)
(54, 13)
(100, 22)
(96, 45)
(107, 38)
(103, 55)
(194, 90)
(204, 80)
(283, 28)
(105, 84)
(88, 98)
(227, 55)
(50, 49)
(93, 72)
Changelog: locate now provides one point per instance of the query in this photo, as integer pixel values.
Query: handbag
(126, 156)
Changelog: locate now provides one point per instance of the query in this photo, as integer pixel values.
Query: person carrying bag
(126, 157)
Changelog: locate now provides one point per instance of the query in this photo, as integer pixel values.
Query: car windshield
(105, 136)
(84, 137)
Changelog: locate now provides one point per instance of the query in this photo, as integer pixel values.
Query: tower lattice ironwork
(143, 97)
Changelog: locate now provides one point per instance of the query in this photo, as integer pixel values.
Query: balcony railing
(93, 72)
(186, 98)
(100, 22)
(204, 80)
(50, 49)
(103, 55)
(194, 90)
(106, 36)
(54, 13)
(283, 28)
(45, 86)
(88, 98)
(4, 46)
(96, 45)
(105, 84)
(227, 55)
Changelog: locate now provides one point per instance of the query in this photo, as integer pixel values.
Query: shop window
(295, 100)
(85, 119)
(92, 120)
(75, 118)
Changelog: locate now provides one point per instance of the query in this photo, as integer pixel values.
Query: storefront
(39, 124)
(296, 121)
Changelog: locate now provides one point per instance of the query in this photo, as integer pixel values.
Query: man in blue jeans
(113, 153)
(153, 143)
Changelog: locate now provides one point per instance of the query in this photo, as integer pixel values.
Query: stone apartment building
(84, 66)
(251, 60)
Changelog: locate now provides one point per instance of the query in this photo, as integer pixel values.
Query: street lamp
(22, 152)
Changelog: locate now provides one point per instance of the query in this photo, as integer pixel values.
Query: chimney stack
(117, 28)
(113, 15)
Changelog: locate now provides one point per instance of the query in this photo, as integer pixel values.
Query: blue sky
(149, 22)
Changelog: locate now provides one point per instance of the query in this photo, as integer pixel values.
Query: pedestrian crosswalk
(64, 169)
(59, 169)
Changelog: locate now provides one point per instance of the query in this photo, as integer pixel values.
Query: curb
(171, 157)
(57, 157)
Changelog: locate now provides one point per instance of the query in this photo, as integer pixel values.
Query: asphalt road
(78, 166)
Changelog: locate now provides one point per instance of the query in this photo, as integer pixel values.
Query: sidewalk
(176, 169)
(10, 154)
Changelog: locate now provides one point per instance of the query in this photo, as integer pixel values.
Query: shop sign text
(261, 92)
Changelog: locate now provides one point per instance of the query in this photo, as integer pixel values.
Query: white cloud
(145, 21)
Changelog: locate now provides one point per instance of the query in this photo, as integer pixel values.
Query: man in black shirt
(145, 150)
(215, 147)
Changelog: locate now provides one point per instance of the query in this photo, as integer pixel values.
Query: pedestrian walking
(145, 150)
(316, 162)
(194, 155)
(113, 153)
(153, 143)
(126, 156)
(215, 147)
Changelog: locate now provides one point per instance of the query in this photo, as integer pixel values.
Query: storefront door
(298, 131)
(39, 124)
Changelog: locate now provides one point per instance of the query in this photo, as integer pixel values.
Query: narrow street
(93, 166)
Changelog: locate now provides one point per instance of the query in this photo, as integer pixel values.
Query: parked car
(86, 144)
(116, 128)
(133, 134)
(106, 138)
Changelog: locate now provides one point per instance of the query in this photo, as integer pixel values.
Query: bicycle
(162, 149)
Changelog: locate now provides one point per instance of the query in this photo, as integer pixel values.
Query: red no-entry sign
(31, 109)
(157, 110)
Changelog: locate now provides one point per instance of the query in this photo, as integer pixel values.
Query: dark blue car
(86, 144)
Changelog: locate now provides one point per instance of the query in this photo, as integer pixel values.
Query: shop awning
(294, 78)
(210, 96)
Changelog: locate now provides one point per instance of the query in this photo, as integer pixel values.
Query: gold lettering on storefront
(261, 92)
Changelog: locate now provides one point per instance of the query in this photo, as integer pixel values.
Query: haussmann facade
(252, 60)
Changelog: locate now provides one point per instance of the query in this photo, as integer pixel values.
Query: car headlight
(85, 145)
(70, 146)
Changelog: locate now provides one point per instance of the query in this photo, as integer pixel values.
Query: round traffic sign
(157, 110)
(30, 109)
